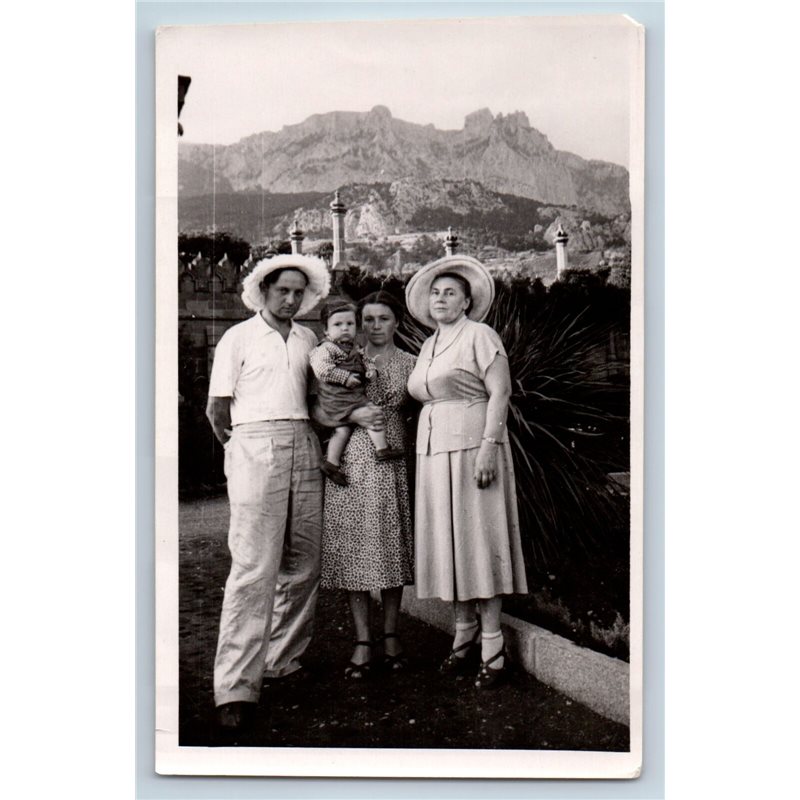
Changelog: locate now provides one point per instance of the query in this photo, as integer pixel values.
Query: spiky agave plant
(558, 403)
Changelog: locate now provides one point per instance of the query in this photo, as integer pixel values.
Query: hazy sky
(572, 80)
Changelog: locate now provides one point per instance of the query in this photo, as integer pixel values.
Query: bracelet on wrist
(490, 439)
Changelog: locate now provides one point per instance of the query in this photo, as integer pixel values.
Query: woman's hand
(370, 417)
(486, 464)
(498, 386)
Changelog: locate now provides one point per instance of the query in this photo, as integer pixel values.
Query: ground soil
(417, 708)
(578, 598)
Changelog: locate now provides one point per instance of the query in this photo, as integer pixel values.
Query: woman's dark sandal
(359, 672)
(333, 473)
(456, 664)
(397, 662)
(488, 676)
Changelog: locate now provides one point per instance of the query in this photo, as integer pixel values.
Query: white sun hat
(470, 269)
(315, 270)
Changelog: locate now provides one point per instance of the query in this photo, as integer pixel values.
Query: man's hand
(218, 412)
(370, 417)
(353, 381)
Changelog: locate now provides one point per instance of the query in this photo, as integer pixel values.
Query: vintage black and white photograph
(399, 398)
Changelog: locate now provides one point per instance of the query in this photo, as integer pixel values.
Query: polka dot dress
(367, 538)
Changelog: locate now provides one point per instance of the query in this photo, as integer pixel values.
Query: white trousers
(275, 492)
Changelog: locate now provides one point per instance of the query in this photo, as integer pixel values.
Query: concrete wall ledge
(597, 681)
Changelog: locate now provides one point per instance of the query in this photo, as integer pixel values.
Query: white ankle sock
(465, 631)
(491, 644)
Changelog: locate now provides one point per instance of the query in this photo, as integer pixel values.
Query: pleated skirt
(467, 540)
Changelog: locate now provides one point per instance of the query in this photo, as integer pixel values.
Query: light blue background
(149, 785)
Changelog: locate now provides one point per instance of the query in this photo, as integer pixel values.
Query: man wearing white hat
(257, 407)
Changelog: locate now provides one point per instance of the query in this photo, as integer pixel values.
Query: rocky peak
(380, 112)
(517, 119)
(515, 131)
(478, 122)
(378, 120)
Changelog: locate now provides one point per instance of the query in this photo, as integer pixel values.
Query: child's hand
(353, 381)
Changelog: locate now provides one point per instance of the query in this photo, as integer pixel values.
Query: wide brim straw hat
(315, 270)
(481, 284)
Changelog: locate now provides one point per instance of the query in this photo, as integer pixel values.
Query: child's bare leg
(337, 444)
(378, 439)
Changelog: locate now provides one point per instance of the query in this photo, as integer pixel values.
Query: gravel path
(417, 708)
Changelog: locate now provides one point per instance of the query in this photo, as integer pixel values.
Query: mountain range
(325, 152)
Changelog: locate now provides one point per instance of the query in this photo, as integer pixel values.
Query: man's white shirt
(265, 376)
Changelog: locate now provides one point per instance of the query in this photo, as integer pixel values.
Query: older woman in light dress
(467, 538)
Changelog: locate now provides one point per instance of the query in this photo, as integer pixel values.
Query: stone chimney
(338, 211)
(561, 251)
(450, 243)
(296, 237)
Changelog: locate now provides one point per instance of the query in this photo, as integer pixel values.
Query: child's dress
(332, 365)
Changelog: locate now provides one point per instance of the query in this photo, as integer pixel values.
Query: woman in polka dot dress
(367, 540)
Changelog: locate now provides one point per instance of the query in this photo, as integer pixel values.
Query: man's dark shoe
(235, 717)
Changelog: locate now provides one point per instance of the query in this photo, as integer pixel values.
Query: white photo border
(336, 761)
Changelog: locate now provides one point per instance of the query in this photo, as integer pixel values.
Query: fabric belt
(464, 401)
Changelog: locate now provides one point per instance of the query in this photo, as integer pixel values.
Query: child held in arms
(342, 372)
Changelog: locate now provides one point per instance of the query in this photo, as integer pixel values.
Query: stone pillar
(338, 211)
(296, 237)
(562, 263)
(450, 243)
